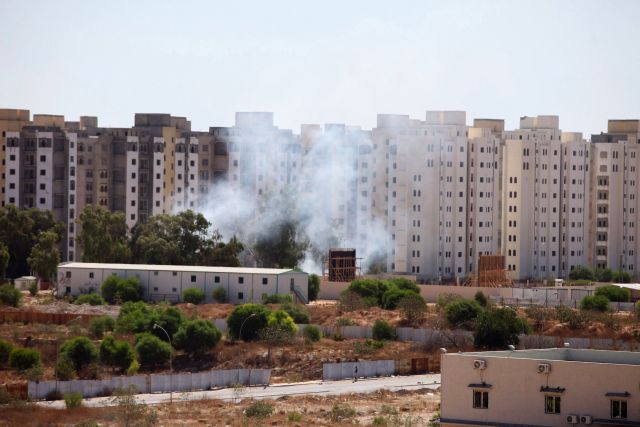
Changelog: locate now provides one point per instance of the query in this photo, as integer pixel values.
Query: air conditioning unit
(573, 419)
(586, 419)
(480, 364)
(544, 368)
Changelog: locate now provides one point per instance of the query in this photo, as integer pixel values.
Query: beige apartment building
(11, 120)
(551, 387)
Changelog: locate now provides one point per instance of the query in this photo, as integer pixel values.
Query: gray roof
(186, 268)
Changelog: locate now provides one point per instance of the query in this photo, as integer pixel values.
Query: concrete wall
(365, 369)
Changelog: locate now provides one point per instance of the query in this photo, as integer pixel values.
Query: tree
(115, 289)
(151, 350)
(91, 299)
(621, 277)
(312, 333)
(5, 351)
(136, 317)
(371, 290)
(392, 296)
(81, 351)
(498, 327)
(383, 331)
(314, 287)
(103, 235)
(280, 330)
(65, 369)
(595, 303)
(251, 318)
(297, 312)
(462, 313)
(281, 246)
(405, 284)
(413, 308)
(481, 299)
(10, 295)
(580, 272)
(193, 296)
(223, 254)
(614, 293)
(196, 337)
(220, 295)
(22, 359)
(170, 318)
(100, 325)
(45, 256)
(603, 275)
(4, 259)
(116, 353)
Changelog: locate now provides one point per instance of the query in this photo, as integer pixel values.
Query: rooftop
(565, 355)
(189, 268)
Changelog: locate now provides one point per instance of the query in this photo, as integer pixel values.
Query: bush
(197, 336)
(297, 312)
(170, 318)
(254, 318)
(114, 289)
(312, 333)
(220, 295)
(481, 299)
(341, 412)
(614, 293)
(135, 317)
(383, 331)
(351, 301)
(277, 299)
(392, 296)
(73, 400)
(412, 307)
(259, 409)
(445, 299)
(371, 290)
(193, 296)
(65, 370)
(10, 295)
(100, 325)
(118, 354)
(152, 351)
(580, 272)
(595, 303)
(314, 287)
(80, 350)
(621, 277)
(33, 288)
(22, 359)
(603, 274)
(406, 285)
(5, 351)
(462, 313)
(498, 327)
(91, 299)
(280, 319)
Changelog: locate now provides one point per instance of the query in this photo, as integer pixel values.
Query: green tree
(117, 290)
(603, 274)
(151, 350)
(614, 293)
(312, 333)
(405, 284)
(481, 299)
(371, 290)
(220, 295)
(250, 317)
(282, 246)
(4, 259)
(314, 287)
(383, 331)
(580, 272)
(196, 337)
(10, 295)
(193, 295)
(65, 369)
(413, 308)
(462, 313)
(91, 299)
(621, 277)
(45, 256)
(103, 235)
(22, 359)
(391, 298)
(116, 353)
(595, 303)
(100, 325)
(498, 327)
(5, 351)
(81, 351)
(297, 312)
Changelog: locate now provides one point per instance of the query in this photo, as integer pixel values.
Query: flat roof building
(550, 387)
(168, 282)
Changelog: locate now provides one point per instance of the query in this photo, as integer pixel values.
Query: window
(174, 289)
(480, 399)
(619, 409)
(90, 275)
(216, 279)
(241, 281)
(175, 273)
(67, 275)
(155, 289)
(265, 281)
(240, 295)
(551, 404)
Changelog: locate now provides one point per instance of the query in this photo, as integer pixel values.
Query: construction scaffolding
(491, 273)
(342, 265)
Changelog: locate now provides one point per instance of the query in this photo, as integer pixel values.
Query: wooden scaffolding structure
(343, 265)
(491, 272)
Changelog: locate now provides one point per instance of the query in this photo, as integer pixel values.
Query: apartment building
(11, 120)
(551, 387)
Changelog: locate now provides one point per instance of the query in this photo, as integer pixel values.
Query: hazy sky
(322, 61)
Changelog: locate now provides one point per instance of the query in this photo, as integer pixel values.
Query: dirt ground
(400, 408)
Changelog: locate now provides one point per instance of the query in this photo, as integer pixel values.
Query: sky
(323, 61)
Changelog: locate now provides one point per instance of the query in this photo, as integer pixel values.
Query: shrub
(135, 317)
(481, 299)
(100, 325)
(193, 296)
(595, 303)
(392, 296)
(152, 351)
(371, 290)
(341, 412)
(406, 285)
(297, 312)
(412, 307)
(580, 272)
(22, 359)
(10, 295)
(614, 293)
(33, 288)
(498, 327)
(621, 277)
(220, 295)
(277, 299)
(311, 333)
(133, 368)
(282, 321)
(118, 354)
(254, 318)
(170, 318)
(259, 409)
(80, 350)
(5, 351)
(114, 289)
(314, 287)
(294, 417)
(444, 300)
(603, 274)
(197, 336)
(65, 370)
(73, 400)
(351, 301)
(91, 299)
(345, 321)
(462, 313)
(109, 288)
(383, 331)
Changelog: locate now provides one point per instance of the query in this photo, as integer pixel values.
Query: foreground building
(552, 387)
(168, 282)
